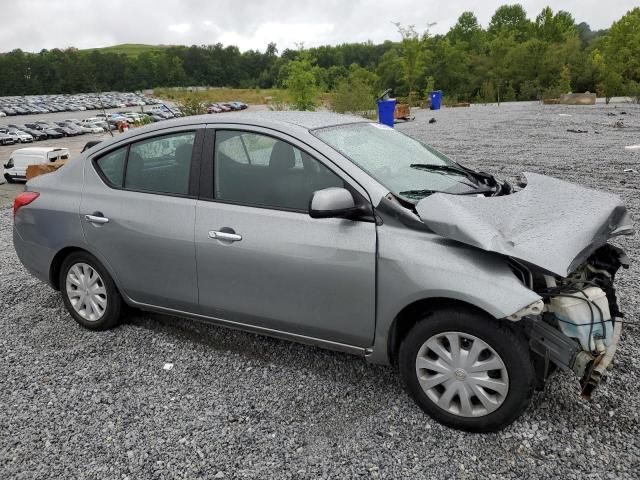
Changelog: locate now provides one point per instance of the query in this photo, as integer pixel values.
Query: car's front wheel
(467, 370)
(8, 178)
(89, 293)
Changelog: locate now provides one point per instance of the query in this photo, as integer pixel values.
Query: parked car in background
(16, 166)
(105, 125)
(6, 139)
(66, 131)
(18, 135)
(46, 129)
(36, 134)
(74, 128)
(91, 120)
(94, 127)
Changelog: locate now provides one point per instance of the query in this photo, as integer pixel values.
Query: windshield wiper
(439, 168)
(425, 193)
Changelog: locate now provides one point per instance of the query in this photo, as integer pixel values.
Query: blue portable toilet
(386, 108)
(436, 99)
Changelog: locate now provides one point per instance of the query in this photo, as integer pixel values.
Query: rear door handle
(225, 236)
(96, 218)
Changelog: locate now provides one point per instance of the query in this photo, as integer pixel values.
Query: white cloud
(180, 27)
(252, 24)
(283, 34)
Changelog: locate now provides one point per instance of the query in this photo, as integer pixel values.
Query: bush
(192, 105)
(353, 95)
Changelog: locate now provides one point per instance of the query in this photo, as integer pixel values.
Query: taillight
(25, 198)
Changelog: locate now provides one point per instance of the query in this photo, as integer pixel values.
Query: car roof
(305, 120)
(286, 121)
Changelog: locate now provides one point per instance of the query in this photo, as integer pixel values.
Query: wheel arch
(58, 260)
(416, 311)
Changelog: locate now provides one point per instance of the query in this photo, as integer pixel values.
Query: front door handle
(225, 236)
(96, 217)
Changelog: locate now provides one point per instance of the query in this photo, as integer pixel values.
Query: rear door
(138, 215)
(275, 267)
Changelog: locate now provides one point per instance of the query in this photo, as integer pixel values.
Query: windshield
(407, 167)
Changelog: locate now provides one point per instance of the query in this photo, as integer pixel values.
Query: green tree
(622, 49)
(411, 56)
(564, 85)
(511, 20)
(301, 82)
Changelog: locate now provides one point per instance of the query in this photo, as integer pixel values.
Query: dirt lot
(80, 404)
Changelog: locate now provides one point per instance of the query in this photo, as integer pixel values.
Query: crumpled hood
(550, 223)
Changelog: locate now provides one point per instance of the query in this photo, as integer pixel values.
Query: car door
(138, 214)
(270, 264)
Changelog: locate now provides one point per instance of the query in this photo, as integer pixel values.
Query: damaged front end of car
(579, 323)
(555, 235)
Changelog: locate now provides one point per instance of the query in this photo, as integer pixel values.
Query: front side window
(260, 170)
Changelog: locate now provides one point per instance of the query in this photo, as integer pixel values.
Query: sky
(32, 25)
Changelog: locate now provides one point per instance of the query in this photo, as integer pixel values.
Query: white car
(90, 120)
(18, 135)
(2, 114)
(93, 127)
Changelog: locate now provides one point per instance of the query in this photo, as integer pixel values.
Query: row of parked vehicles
(43, 130)
(103, 122)
(38, 104)
(226, 107)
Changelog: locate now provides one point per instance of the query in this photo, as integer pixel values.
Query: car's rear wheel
(88, 292)
(8, 178)
(467, 370)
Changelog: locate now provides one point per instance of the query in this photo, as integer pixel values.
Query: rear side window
(161, 164)
(157, 165)
(112, 166)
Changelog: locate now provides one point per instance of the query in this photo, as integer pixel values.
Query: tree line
(513, 58)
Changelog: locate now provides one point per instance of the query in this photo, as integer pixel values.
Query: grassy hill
(129, 49)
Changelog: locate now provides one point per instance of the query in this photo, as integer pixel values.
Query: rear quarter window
(111, 166)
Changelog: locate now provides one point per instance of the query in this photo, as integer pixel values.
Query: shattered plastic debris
(550, 223)
(564, 114)
(168, 366)
(630, 170)
(432, 120)
(577, 130)
(632, 147)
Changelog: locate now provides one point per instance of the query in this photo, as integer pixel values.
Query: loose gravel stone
(80, 404)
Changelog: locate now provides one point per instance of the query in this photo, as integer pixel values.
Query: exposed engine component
(584, 315)
(578, 329)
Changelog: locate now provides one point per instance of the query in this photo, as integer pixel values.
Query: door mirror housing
(333, 202)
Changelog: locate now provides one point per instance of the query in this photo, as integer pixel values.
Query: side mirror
(332, 202)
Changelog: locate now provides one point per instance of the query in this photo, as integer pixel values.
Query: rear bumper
(35, 258)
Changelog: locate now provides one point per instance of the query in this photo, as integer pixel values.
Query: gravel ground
(79, 404)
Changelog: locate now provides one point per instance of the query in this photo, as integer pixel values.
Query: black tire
(9, 178)
(509, 344)
(111, 315)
